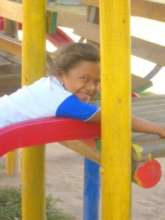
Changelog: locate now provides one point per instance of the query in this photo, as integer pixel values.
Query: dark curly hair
(68, 56)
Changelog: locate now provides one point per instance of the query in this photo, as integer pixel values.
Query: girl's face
(83, 80)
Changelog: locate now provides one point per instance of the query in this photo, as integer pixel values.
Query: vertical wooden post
(115, 105)
(91, 190)
(33, 67)
(11, 160)
(11, 163)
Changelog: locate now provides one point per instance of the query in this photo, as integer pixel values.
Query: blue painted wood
(91, 190)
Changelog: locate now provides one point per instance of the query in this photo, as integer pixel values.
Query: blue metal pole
(91, 190)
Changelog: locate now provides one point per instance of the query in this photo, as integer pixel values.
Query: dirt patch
(64, 180)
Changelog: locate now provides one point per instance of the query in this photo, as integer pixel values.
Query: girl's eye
(97, 82)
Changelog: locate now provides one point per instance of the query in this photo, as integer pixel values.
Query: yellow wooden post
(115, 104)
(11, 163)
(33, 67)
(11, 159)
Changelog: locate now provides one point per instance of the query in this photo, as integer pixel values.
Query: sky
(153, 31)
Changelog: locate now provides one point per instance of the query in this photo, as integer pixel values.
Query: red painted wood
(59, 38)
(1, 24)
(147, 174)
(43, 131)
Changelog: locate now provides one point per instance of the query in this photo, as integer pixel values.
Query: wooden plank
(89, 31)
(157, 1)
(151, 143)
(149, 51)
(91, 2)
(11, 10)
(93, 15)
(83, 149)
(96, 2)
(152, 52)
(115, 149)
(3, 62)
(141, 48)
(69, 19)
(7, 91)
(10, 45)
(153, 72)
(9, 81)
(148, 9)
(10, 78)
(150, 111)
(150, 108)
(139, 83)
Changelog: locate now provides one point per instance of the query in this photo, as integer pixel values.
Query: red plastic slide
(45, 130)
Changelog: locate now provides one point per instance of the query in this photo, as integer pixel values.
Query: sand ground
(64, 180)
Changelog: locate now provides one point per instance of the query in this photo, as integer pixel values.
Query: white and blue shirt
(44, 98)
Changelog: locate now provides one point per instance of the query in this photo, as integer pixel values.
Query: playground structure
(108, 202)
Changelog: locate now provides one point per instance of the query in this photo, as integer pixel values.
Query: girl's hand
(145, 126)
(161, 132)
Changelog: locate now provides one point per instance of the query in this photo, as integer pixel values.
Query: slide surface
(47, 130)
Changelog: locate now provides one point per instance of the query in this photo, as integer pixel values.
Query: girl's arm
(145, 126)
(96, 117)
(139, 125)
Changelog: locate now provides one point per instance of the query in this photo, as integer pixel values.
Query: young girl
(67, 92)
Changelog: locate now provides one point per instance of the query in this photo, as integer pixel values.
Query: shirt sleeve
(72, 107)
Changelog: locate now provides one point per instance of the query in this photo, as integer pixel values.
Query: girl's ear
(49, 63)
(60, 75)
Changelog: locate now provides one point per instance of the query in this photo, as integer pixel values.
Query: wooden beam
(89, 31)
(81, 148)
(10, 45)
(153, 10)
(33, 46)
(10, 81)
(157, 1)
(139, 83)
(4, 62)
(141, 48)
(149, 51)
(115, 148)
(69, 19)
(148, 9)
(91, 2)
(11, 10)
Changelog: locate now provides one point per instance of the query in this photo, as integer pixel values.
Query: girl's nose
(91, 87)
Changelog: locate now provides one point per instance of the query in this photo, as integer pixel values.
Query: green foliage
(9, 203)
(54, 213)
(10, 206)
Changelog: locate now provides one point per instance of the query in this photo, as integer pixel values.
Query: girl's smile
(83, 80)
